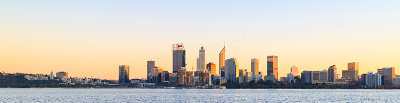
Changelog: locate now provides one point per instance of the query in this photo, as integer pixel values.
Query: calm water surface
(197, 95)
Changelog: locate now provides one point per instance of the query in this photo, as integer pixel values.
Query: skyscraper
(255, 66)
(178, 57)
(353, 66)
(294, 70)
(352, 71)
(272, 66)
(332, 73)
(150, 67)
(222, 62)
(123, 74)
(231, 70)
(212, 68)
(201, 62)
(388, 74)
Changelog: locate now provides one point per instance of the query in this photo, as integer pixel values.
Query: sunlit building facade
(272, 66)
(294, 70)
(222, 62)
(255, 66)
(178, 57)
(212, 68)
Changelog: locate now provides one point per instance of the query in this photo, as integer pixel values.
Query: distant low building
(62, 75)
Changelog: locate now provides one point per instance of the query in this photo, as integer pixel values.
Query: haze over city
(91, 39)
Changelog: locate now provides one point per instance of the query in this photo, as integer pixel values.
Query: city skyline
(92, 40)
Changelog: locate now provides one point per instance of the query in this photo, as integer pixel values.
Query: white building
(373, 80)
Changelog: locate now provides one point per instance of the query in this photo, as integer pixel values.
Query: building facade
(123, 74)
(231, 70)
(373, 80)
(222, 62)
(62, 75)
(332, 73)
(272, 66)
(294, 70)
(212, 68)
(201, 60)
(255, 66)
(388, 74)
(178, 57)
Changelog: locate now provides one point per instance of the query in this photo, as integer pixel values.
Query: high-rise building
(212, 68)
(179, 57)
(231, 70)
(352, 71)
(332, 73)
(306, 76)
(388, 74)
(272, 66)
(255, 66)
(323, 76)
(150, 67)
(351, 74)
(353, 66)
(222, 62)
(201, 61)
(373, 80)
(123, 74)
(294, 70)
(62, 75)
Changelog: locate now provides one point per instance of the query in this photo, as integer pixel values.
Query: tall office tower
(323, 76)
(150, 67)
(352, 74)
(62, 75)
(294, 70)
(272, 66)
(255, 66)
(352, 71)
(332, 73)
(51, 75)
(201, 61)
(178, 57)
(123, 74)
(353, 66)
(373, 80)
(222, 62)
(388, 74)
(231, 70)
(212, 68)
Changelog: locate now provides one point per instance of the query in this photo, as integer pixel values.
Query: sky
(91, 38)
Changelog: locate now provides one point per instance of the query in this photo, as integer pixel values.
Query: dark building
(123, 74)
